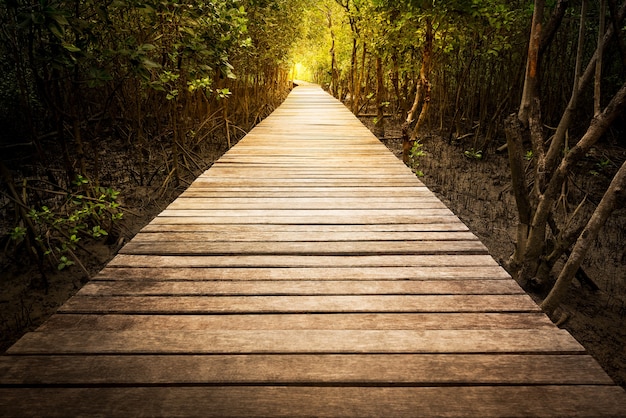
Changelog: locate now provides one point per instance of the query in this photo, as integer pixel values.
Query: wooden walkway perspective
(307, 273)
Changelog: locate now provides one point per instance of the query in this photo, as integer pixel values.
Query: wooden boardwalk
(307, 273)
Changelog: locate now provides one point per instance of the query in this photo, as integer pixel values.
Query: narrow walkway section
(307, 273)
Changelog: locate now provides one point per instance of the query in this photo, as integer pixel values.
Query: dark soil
(479, 193)
(25, 304)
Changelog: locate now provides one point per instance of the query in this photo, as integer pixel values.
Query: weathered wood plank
(296, 192)
(554, 341)
(303, 203)
(300, 287)
(260, 229)
(267, 234)
(327, 321)
(259, 182)
(170, 272)
(126, 260)
(356, 370)
(299, 304)
(304, 247)
(284, 401)
(331, 213)
(304, 219)
(387, 176)
(301, 171)
(327, 162)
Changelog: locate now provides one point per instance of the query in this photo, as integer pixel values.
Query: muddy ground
(24, 304)
(477, 191)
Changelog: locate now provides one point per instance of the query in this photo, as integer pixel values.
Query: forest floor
(478, 192)
(24, 304)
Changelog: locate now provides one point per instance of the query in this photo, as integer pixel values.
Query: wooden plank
(300, 287)
(306, 219)
(327, 321)
(361, 151)
(335, 171)
(304, 247)
(267, 234)
(331, 213)
(285, 401)
(292, 192)
(387, 176)
(302, 203)
(382, 188)
(299, 167)
(520, 341)
(359, 370)
(170, 272)
(260, 229)
(259, 182)
(126, 260)
(299, 304)
(328, 162)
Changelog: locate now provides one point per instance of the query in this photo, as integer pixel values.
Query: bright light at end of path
(299, 72)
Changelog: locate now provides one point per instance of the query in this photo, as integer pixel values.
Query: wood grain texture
(299, 304)
(173, 272)
(281, 369)
(299, 287)
(325, 321)
(354, 248)
(307, 273)
(284, 401)
(553, 341)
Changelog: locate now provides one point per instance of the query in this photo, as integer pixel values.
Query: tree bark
(609, 202)
(406, 126)
(333, 60)
(597, 84)
(621, 43)
(553, 25)
(425, 84)
(558, 141)
(356, 103)
(531, 81)
(598, 126)
(514, 140)
(380, 92)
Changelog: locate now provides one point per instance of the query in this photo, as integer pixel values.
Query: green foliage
(18, 233)
(59, 232)
(467, 34)
(165, 44)
(152, 74)
(474, 154)
(415, 154)
(601, 166)
(64, 262)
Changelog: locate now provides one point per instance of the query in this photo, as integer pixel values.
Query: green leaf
(147, 63)
(18, 233)
(56, 30)
(64, 262)
(60, 19)
(70, 47)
